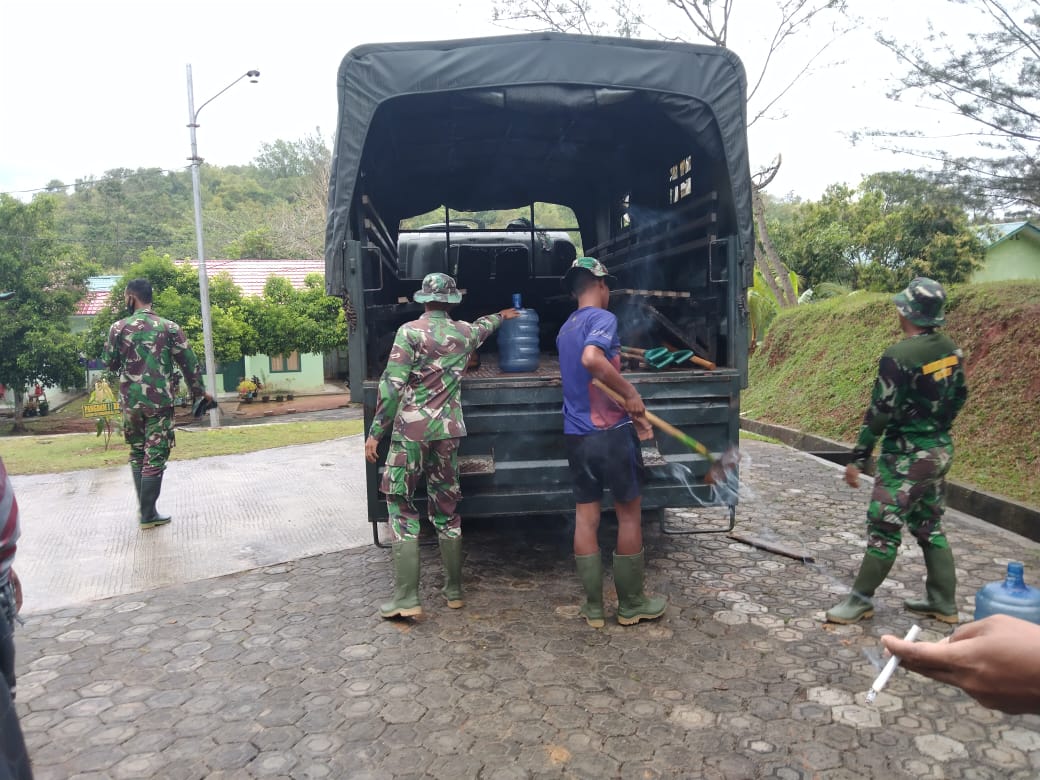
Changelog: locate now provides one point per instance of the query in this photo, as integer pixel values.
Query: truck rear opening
(498, 161)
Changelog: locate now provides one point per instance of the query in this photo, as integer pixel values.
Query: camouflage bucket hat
(922, 302)
(590, 264)
(440, 288)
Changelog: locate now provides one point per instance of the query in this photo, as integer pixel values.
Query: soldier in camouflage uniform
(420, 397)
(918, 392)
(143, 348)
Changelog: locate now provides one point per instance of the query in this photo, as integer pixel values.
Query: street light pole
(207, 323)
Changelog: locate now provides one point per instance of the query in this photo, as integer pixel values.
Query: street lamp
(207, 324)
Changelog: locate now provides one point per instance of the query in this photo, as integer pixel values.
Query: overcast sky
(91, 86)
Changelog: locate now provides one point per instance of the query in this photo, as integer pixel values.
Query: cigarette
(890, 667)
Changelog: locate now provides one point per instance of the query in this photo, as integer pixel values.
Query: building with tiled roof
(297, 372)
(251, 275)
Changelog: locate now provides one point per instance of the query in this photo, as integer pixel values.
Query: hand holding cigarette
(996, 661)
(890, 667)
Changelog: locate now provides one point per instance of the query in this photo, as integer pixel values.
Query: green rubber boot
(940, 586)
(860, 605)
(406, 581)
(451, 557)
(633, 604)
(151, 487)
(590, 572)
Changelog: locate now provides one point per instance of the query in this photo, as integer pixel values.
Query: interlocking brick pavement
(287, 671)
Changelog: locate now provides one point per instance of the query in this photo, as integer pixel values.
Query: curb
(994, 509)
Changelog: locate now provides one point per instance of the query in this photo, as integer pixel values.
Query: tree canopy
(48, 279)
(990, 79)
(891, 228)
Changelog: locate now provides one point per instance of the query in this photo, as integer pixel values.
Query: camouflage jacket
(919, 390)
(143, 349)
(420, 392)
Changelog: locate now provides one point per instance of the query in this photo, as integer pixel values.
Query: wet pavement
(287, 670)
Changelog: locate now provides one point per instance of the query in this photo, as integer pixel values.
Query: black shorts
(606, 459)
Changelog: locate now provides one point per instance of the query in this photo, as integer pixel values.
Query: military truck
(641, 144)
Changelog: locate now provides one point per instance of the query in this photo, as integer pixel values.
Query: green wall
(1015, 257)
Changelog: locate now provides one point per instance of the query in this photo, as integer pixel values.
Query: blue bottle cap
(516, 301)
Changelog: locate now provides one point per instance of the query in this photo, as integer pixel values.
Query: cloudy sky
(91, 86)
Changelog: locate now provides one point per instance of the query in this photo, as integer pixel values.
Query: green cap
(590, 264)
(922, 302)
(438, 287)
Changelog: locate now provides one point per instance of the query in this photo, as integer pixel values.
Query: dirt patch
(299, 405)
(69, 419)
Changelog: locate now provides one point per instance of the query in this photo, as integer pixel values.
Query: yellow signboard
(101, 409)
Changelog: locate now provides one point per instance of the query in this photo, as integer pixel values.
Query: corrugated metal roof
(1003, 230)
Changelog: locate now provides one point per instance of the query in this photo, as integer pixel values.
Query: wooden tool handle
(694, 359)
(668, 428)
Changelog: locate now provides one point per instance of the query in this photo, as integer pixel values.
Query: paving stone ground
(287, 671)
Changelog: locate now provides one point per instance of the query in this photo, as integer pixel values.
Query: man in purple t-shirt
(602, 447)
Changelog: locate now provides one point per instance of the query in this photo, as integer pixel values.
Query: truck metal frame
(644, 141)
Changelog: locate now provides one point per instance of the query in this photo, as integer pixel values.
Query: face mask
(130, 307)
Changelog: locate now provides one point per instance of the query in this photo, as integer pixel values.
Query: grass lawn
(74, 451)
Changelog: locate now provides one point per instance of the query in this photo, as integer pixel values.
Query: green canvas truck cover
(393, 120)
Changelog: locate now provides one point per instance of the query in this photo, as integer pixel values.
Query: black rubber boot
(151, 487)
(135, 471)
(590, 572)
(406, 581)
(451, 557)
(859, 604)
(940, 586)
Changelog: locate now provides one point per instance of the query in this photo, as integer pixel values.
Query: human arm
(184, 356)
(996, 661)
(391, 386)
(110, 356)
(16, 585)
(884, 399)
(484, 326)
(594, 360)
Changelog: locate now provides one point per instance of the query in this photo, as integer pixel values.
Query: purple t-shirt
(586, 408)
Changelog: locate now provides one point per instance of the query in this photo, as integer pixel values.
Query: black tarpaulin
(506, 121)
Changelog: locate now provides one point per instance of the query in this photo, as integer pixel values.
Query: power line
(139, 173)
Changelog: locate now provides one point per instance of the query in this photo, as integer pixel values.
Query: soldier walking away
(14, 759)
(420, 398)
(919, 390)
(603, 447)
(144, 348)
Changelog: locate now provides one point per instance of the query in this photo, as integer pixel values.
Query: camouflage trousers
(406, 463)
(150, 437)
(908, 490)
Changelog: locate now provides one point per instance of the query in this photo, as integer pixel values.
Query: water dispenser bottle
(518, 341)
(1010, 596)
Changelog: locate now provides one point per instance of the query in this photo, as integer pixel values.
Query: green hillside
(817, 365)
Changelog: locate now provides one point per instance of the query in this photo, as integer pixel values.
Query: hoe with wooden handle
(717, 467)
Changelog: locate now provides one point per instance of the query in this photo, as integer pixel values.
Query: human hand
(634, 405)
(852, 476)
(996, 661)
(509, 314)
(371, 443)
(16, 585)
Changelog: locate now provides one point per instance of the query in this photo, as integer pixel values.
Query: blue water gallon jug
(518, 342)
(1010, 596)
